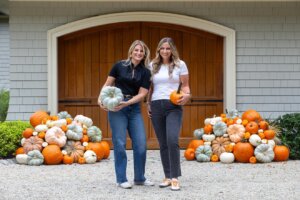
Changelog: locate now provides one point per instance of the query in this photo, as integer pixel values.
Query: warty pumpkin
(110, 97)
(74, 149)
(33, 143)
(218, 145)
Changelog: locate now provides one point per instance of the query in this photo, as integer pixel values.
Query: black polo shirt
(129, 79)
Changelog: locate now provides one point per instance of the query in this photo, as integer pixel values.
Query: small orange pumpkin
(68, 160)
(20, 150)
(252, 127)
(252, 160)
(264, 125)
(189, 154)
(176, 95)
(84, 138)
(194, 144)
(41, 135)
(27, 133)
(214, 158)
(269, 134)
(281, 153)
(81, 160)
(208, 128)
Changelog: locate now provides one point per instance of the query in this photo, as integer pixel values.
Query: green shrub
(289, 126)
(10, 137)
(4, 103)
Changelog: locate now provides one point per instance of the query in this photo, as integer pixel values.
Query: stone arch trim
(227, 33)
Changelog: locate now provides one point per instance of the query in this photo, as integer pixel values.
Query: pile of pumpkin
(229, 137)
(60, 139)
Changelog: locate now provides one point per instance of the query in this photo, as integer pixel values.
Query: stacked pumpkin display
(229, 138)
(61, 139)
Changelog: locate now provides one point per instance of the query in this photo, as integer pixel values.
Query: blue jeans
(129, 118)
(167, 120)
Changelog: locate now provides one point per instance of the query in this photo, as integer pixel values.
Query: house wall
(268, 48)
(4, 53)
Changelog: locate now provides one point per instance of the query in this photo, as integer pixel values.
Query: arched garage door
(85, 58)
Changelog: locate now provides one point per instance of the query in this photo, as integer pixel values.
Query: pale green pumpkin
(198, 133)
(203, 153)
(35, 157)
(74, 132)
(110, 97)
(264, 153)
(220, 128)
(94, 134)
(64, 115)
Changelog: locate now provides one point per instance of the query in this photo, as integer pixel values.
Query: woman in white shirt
(167, 72)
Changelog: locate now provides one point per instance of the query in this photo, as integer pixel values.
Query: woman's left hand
(120, 106)
(184, 99)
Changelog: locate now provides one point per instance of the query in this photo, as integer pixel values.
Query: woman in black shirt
(133, 78)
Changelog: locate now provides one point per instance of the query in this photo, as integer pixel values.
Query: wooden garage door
(86, 57)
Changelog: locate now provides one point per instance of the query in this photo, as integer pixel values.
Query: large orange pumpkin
(52, 155)
(281, 153)
(251, 115)
(243, 151)
(106, 148)
(194, 144)
(189, 154)
(39, 117)
(97, 148)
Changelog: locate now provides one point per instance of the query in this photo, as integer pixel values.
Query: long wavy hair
(146, 50)
(174, 58)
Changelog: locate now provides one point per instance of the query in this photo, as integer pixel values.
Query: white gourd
(110, 97)
(255, 140)
(22, 159)
(227, 157)
(41, 128)
(90, 157)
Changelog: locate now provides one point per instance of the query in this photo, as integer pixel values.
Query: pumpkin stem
(179, 88)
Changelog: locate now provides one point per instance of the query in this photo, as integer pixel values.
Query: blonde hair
(174, 59)
(146, 50)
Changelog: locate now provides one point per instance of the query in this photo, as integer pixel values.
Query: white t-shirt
(163, 85)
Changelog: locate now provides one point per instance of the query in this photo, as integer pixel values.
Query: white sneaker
(145, 183)
(175, 185)
(125, 185)
(165, 183)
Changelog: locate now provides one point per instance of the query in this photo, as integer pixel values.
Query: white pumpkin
(271, 143)
(208, 138)
(41, 128)
(207, 143)
(56, 136)
(22, 159)
(90, 157)
(58, 123)
(255, 140)
(84, 120)
(227, 157)
(207, 121)
(264, 153)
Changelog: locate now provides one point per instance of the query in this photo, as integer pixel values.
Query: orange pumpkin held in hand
(176, 95)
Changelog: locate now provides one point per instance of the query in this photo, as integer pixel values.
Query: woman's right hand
(149, 110)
